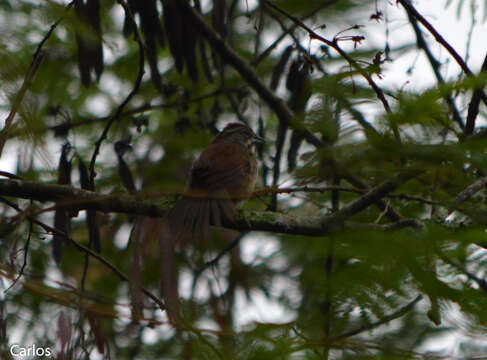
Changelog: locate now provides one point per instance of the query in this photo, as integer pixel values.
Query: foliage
(374, 241)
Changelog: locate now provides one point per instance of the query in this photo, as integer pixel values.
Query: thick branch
(381, 204)
(371, 197)
(78, 199)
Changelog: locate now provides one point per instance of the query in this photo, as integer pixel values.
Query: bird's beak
(257, 140)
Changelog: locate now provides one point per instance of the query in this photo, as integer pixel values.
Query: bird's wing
(222, 167)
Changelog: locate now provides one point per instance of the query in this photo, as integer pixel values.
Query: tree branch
(467, 193)
(311, 189)
(65, 126)
(473, 106)
(371, 197)
(67, 196)
(24, 264)
(479, 281)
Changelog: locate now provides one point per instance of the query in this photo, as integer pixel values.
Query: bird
(223, 176)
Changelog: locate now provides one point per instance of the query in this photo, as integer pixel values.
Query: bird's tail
(193, 215)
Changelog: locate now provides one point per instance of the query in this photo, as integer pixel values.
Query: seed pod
(91, 216)
(173, 24)
(123, 168)
(89, 40)
(279, 69)
(62, 220)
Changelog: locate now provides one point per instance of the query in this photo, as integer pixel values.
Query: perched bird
(222, 176)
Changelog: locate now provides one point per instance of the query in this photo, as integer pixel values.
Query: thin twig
(296, 41)
(482, 283)
(17, 101)
(333, 44)
(116, 116)
(64, 127)
(470, 32)
(310, 189)
(51, 30)
(84, 249)
(85, 266)
(381, 215)
(384, 320)
(276, 171)
(271, 47)
(400, 224)
(24, 264)
(134, 90)
(222, 253)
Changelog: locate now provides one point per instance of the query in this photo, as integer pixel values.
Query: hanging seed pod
(89, 40)
(62, 219)
(279, 68)
(190, 43)
(173, 24)
(91, 216)
(204, 61)
(123, 169)
(153, 35)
